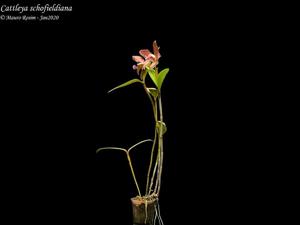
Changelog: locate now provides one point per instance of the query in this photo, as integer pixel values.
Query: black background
(55, 96)
(214, 108)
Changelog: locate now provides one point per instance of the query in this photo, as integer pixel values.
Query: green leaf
(161, 125)
(153, 92)
(126, 84)
(153, 76)
(161, 77)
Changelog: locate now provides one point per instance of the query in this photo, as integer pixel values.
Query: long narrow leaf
(126, 84)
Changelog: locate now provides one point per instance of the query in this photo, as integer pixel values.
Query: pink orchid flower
(148, 59)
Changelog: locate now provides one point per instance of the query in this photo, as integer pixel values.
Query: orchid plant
(147, 66)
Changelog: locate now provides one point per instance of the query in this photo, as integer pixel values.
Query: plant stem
(129, 160)
(153, 175)
(154, 107)
(161, 145)
(133, 174)
(158, 165)
(151, 161)
(153, 103)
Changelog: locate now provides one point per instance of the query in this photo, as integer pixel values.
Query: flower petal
(145, 53)
(138, 59)
(151, 57)
(156, 50)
